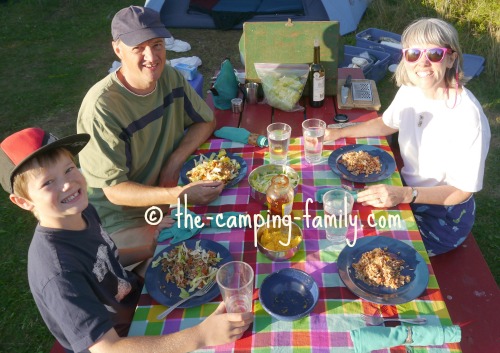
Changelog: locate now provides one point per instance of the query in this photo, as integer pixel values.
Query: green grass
(52, 52)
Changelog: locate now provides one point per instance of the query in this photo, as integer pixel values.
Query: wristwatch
(414, 194)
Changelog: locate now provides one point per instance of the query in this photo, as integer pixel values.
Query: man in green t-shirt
(145, 120)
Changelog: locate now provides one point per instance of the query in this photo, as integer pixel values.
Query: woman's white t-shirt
(440, 145)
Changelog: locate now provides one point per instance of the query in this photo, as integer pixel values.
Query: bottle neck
(280, 181)
(316, 55)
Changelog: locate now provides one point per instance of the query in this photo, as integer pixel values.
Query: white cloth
(154, 4)
(191, 61)
(450, 146)
(176, 45)
(115, 66)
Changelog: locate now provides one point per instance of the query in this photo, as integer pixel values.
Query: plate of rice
(362, 163)
(383, 270)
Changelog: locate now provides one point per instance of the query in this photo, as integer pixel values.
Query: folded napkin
(178, 232)
(242, 135)
(371, 338)
(321, 192)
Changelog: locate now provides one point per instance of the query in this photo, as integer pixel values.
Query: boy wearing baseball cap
(83, 293)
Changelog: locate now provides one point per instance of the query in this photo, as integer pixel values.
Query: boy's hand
(221, 327)
(166, 222)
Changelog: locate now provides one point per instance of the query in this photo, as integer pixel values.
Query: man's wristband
(414, 194)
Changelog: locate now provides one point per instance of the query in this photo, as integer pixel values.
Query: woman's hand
(332, 134)
(382, 195)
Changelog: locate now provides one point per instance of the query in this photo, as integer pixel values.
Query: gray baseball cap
(134, 25)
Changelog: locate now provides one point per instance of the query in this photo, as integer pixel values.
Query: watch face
(341, 118)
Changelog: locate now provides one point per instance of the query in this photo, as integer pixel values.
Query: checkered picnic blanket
(338, 310)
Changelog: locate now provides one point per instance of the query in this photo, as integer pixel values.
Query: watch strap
(414, 194)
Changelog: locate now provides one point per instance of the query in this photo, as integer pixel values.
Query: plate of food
(383, 270)
(362, 163)
(180, 269)
(215, 166)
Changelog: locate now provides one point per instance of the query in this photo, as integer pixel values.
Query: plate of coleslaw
(177, 271)
(214, 166)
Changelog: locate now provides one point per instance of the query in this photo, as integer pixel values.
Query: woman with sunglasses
(443, 137)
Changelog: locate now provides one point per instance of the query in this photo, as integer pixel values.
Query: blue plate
(415, 267)
(388, 163)
(190, 165)
(168, 293)
(288, 294)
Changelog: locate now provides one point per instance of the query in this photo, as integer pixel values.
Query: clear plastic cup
(235, 280)
(278, 135)
(337, 206)
(313, 131)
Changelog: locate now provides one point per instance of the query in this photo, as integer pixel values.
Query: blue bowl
(288, 294)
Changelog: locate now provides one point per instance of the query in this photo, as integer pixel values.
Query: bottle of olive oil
(316, 79)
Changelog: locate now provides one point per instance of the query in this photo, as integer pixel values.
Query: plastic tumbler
(235, 280)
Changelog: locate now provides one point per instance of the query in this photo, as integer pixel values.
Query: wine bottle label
(318, 87)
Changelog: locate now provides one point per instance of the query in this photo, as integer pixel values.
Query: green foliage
(52, 52)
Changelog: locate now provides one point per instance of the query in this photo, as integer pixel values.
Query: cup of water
(313, 131)
(337, 206)
(278, 136)
(235, 280)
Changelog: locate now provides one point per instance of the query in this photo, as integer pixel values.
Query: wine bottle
(316, 79)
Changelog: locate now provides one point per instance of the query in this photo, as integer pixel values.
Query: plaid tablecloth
(338, 311)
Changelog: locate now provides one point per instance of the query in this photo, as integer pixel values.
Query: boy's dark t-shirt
(79, 286)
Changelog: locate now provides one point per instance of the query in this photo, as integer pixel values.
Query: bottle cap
(262, 141)
(341, 118)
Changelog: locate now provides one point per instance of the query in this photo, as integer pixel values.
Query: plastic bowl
(272, 236)
(288, 294)
(260, 179)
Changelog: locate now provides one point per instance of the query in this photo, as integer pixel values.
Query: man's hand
(202, 192)
(169, 175)
(195, 135)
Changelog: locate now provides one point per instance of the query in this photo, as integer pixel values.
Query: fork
(377, 320)
(206, 288)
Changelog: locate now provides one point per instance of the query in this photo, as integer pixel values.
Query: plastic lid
(262, 141)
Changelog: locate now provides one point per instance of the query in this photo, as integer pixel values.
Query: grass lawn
(52, 52)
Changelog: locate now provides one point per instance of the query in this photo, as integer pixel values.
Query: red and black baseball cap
(23, 145)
